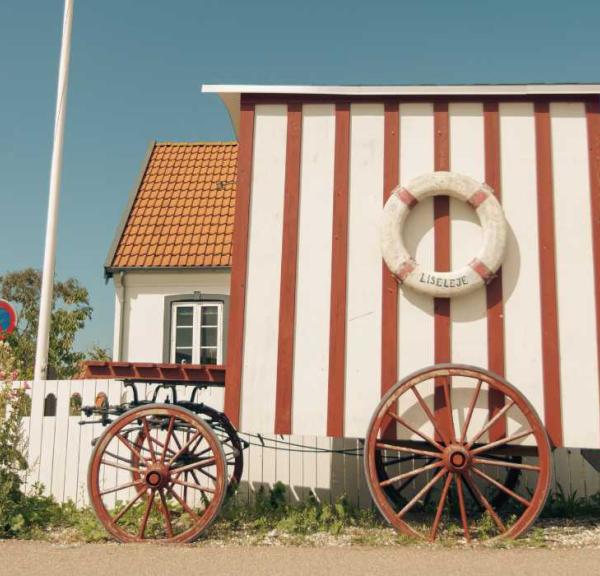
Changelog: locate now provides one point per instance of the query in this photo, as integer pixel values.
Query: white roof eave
(231, 93)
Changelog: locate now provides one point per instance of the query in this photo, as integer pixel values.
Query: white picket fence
(59, 450)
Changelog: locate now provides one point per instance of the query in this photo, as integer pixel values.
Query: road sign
(8, 318)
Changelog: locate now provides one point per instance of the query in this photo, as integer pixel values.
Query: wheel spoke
(195, 477)
(463, 433)
(166, 513)
(491, 422)
(124, 511)
(194, 465)
(421, 492)
(440, 508)
(501, 442)
(391, 461)
(167, 439)
(146, 514)
(410, 474)
(121, 466)
(122, 487)
(184, 447)
(117, 457)
(415, 431)
(505, 464)
(384, 446)
(430, 415)
(183, 504)
(484, 502)
(150, 444)
(448, 397)
(131, 447)
(462, 508)
(502, 487)
(194, 486)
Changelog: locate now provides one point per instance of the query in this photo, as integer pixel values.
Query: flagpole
(43, 336)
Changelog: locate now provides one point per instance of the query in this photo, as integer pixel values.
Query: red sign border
(12, 315)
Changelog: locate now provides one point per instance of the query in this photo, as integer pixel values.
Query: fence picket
(59, 450)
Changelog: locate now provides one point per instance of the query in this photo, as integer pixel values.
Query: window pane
(183, 356)
(208, 356)
(210, 316)
(209, 337)
(185, 316)
(184, 338)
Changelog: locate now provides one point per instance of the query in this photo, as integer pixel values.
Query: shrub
(13, 463)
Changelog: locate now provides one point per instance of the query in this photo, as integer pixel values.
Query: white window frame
(196, 328)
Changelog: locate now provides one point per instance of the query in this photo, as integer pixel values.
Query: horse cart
(418, 267)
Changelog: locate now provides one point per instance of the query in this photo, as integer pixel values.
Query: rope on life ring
(480, 270)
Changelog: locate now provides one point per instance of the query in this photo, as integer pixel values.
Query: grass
(270, 519)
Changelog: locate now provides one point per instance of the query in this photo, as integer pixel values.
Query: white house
(171, 256)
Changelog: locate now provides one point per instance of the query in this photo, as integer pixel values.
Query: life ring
(484, 265)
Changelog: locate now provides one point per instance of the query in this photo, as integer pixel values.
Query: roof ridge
(198, 143)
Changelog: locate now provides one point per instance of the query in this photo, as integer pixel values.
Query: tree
(70, 311)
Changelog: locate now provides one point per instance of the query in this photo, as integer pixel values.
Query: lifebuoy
(484, 265)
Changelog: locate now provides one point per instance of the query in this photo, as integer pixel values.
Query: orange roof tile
(182, 211)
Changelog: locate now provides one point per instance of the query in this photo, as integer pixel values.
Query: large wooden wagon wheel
(142, 495)
(436, 458)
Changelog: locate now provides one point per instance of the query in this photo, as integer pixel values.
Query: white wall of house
(140, 307)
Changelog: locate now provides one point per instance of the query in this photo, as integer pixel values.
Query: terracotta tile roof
(182, 213)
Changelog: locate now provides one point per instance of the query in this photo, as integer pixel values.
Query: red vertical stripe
(389, 298)
(289, 261)
(389, 315)
(339, 268)
(593, 127)
(495, 305)
(550, 342)
(235, 337)
(441, 216)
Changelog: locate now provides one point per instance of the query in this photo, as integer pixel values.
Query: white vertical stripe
(259, 371)
(313, 288)
(575, 275)
(521, 266)
(467, 156)
(363, 344)
(415, 310)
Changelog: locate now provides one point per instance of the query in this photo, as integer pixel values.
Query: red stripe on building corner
(593, 128)
(239, 268)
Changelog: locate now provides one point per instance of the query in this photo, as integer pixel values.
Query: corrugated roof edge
(108, 270)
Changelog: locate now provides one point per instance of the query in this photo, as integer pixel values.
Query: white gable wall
(140, 308)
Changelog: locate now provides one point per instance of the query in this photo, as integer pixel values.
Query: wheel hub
(457, 458)
(157, 477)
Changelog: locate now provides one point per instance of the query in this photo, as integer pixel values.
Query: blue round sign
(8, 318)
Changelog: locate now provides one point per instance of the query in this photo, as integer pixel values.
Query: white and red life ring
(482, 267)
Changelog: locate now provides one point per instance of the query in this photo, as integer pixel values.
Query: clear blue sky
(137, 67)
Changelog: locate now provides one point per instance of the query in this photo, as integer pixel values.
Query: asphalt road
(27, 558)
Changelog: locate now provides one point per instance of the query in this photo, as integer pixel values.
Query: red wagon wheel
(141, 495)
(435, 456)
(227, 435)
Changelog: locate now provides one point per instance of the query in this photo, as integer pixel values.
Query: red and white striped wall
(318, 327)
